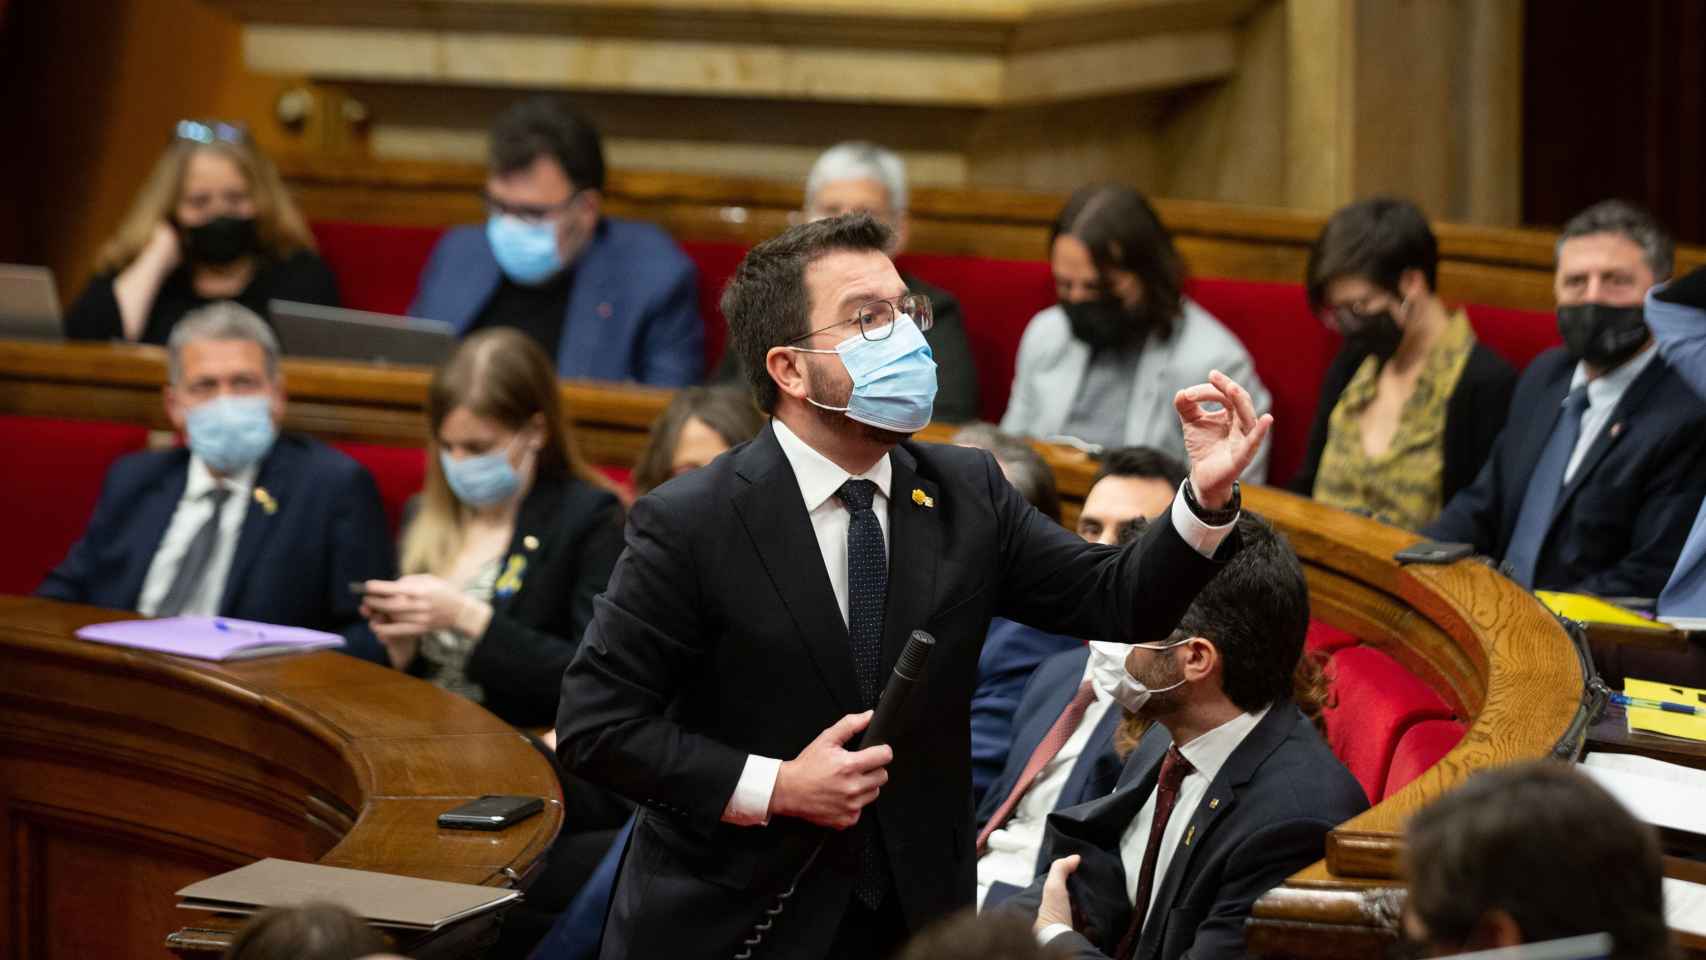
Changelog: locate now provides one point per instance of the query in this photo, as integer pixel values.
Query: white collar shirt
(193, 510)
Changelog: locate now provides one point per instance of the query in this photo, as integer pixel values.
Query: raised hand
(828, 784)
(1220, 443)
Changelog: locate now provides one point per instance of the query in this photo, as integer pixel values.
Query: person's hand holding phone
(404, 610)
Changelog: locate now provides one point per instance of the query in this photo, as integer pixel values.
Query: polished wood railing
(1495, 655)
(127, 775)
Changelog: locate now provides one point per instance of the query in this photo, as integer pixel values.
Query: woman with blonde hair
(510, 541)
(212, 222)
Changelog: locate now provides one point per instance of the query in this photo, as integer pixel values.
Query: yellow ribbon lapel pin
(265, 499)
(923, 499)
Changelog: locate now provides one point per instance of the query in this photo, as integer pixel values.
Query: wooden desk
(125, 776)
(1611, 734)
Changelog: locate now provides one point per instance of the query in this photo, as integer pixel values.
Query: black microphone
(908, 672)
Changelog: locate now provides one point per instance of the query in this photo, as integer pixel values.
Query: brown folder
(382, 899)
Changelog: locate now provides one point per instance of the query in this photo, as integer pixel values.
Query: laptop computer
(29, 303)
(313, 330)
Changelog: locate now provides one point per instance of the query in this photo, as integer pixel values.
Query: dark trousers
(866, 934)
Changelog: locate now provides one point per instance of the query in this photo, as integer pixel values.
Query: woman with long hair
(1101, 366)
(508, 543)
(698, 425)
(212, 222)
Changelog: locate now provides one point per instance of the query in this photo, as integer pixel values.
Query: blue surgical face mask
(894, 379)
(230, 432)
(526, 252)
(483, 480)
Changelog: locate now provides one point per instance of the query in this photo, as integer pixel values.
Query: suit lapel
(774, 513)
(1532, 438)
(590, 317)
(1221, 795)
(1080, 783)
(154, 515)
(1613, 430)
(533, 523)
(915, 547)
(275, 485)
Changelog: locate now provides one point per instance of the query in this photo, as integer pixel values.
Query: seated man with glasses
(608, 299)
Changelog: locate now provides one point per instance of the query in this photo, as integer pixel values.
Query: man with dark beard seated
(1229, 791)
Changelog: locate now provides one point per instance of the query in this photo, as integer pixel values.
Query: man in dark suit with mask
(245, 522)
(764, 599)
(1600, 468)
(1230, 791)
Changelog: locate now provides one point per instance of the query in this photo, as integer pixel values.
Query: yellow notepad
(1650, 720)
(1585, 609)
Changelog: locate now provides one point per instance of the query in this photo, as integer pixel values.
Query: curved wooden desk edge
(1340, 907)
(311, 757)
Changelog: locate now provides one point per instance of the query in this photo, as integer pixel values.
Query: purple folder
(209, 638)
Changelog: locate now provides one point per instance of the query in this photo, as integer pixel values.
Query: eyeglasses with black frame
(527, 213)
(875, 320)
(210, 131)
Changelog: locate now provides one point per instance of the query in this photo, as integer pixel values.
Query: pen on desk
(224, 627)
(1623, 699)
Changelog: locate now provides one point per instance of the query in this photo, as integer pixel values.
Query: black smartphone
(1433, 551)
(490, 813)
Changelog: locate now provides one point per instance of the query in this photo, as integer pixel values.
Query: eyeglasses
(875, 319)
(208, 131)
(527, 213)
(1348, 318)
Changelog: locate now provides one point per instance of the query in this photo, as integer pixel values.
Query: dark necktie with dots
(867, 588)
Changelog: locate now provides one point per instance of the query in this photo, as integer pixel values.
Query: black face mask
(220, 240)
(1602, 334)
(1376, 333)
(1104, 323)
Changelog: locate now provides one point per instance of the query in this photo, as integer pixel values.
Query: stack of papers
(210, 638)
(1663, 794)
(382, 899)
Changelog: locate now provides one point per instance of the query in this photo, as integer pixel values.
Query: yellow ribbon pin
(265, 499)
(510, 581)
(922, 499)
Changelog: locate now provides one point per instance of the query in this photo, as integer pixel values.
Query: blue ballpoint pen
(1623, 699)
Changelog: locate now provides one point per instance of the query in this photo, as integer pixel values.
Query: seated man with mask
(607, 299)
(246, 522)
(1599, 471)
(860, 177)
(1229, 791)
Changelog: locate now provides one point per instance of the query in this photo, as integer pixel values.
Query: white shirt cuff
(1203, 538)
(1051, 931)
(749, 806)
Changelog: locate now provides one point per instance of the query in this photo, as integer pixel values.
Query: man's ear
(280, 399)
(594, 201)
(1202, 658)
(787, 369)
(902, 233)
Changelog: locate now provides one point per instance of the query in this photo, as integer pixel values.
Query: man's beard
(839, 395)
(1161, 703)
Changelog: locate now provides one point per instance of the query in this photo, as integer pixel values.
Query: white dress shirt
(192, 512)
(1011, 856)
(819, 478)
(1604, 392)
(1207, 754)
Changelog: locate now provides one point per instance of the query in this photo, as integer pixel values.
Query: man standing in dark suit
(243, 523)
(764, 599)
(1229, 792)
(1600, 468)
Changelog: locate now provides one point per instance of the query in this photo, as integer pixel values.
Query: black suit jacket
(720, 636)
(292, 566)
(1093, 774)
(1474, 414)
(1264, 817)
(1622, 519)
(567, 537)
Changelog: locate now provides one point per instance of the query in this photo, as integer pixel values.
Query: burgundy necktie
(1057, 735)
(1174, 769)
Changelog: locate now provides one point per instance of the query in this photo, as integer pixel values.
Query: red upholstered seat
(49, 501)
(1517, 335)
(400, 472)
(1419, 748)
(1374, 701)
(377, 266)
(1325, 639)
